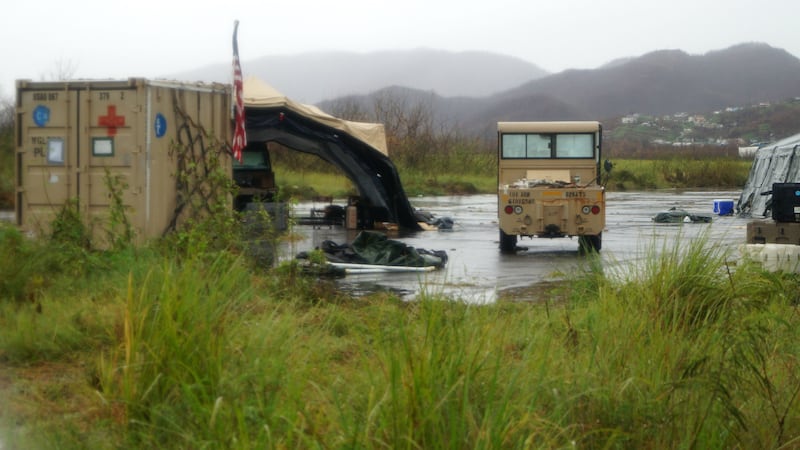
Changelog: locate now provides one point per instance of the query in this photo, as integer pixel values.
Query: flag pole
(239, 134)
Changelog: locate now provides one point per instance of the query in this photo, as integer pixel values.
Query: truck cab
(549, 182)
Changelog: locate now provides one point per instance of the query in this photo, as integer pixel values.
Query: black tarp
(373, 248)
(273, 118)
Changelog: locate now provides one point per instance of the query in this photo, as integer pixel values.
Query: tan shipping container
(71, 135)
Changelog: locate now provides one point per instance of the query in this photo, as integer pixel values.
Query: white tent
(778, 162)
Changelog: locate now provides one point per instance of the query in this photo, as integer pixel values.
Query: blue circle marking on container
(41, 115)
(797, 193)
(160, 125)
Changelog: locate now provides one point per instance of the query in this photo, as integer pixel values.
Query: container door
(46, 156)
(109, 158)
(78, 144)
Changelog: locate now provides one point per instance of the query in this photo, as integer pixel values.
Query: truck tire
(590, 243)
(508, 242)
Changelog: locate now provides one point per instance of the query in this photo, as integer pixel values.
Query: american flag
(239, 135)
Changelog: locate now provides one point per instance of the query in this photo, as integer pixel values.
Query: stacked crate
(784, 228)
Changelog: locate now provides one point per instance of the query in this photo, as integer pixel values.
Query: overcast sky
(153, 38)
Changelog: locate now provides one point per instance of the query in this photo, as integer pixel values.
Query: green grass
(627, 174)
(305, 185)
(423, 183)
(302, 184)
(631, 174)
(147, 347)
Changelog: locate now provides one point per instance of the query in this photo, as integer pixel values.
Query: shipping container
(74, 137)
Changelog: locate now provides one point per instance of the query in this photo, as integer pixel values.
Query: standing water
(476, 270)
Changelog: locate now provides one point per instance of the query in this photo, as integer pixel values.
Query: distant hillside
(474, 90)
(661, 82)
(471, 114)
(313, 77)
(670, 81)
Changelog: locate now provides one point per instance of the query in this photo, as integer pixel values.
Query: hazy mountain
(476, 115)
(473, 90)
(670, 81)
(313, 77)
(661, 82)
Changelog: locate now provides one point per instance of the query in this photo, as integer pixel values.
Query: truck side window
(513, 146)
(526, 146)
(574, 146)
(539, 145)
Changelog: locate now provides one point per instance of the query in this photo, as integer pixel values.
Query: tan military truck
(549, 180)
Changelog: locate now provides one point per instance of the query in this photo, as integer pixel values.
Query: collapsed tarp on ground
(358, 149)
(774, 163)
(373, 248)
(675, 215)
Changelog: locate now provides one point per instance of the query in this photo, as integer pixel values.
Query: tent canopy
(778, 162)
(358, 149)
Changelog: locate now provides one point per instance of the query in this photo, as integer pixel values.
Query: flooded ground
(478, 272)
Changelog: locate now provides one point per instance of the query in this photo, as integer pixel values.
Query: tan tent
(258, 94)
(357, 148)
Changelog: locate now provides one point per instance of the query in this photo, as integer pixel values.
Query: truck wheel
(589, 243)
(508, 243)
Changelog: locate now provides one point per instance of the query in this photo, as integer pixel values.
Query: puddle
(477, 272)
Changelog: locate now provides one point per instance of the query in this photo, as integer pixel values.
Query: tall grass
(307, 184)
(460, 173)
(203, 350)
(477, 174)
(173, 344)
(631, 174)
(686, 330)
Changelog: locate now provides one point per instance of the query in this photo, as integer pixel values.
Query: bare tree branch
(63, 69)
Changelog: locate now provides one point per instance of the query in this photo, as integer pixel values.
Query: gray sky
(153, 38)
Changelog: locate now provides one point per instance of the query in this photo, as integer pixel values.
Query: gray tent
(358, 149)
(778, 162)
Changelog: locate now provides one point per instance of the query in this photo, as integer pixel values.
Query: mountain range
(317, 76)
(476, 89)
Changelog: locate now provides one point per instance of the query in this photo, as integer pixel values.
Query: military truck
(549, 179)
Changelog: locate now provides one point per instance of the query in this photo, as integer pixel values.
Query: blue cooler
(723, 207)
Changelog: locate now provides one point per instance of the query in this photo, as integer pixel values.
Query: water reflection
(477, 272)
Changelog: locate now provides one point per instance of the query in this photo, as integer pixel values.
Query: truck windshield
(535, 145)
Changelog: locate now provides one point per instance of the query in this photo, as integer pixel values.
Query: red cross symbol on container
(111, 120)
